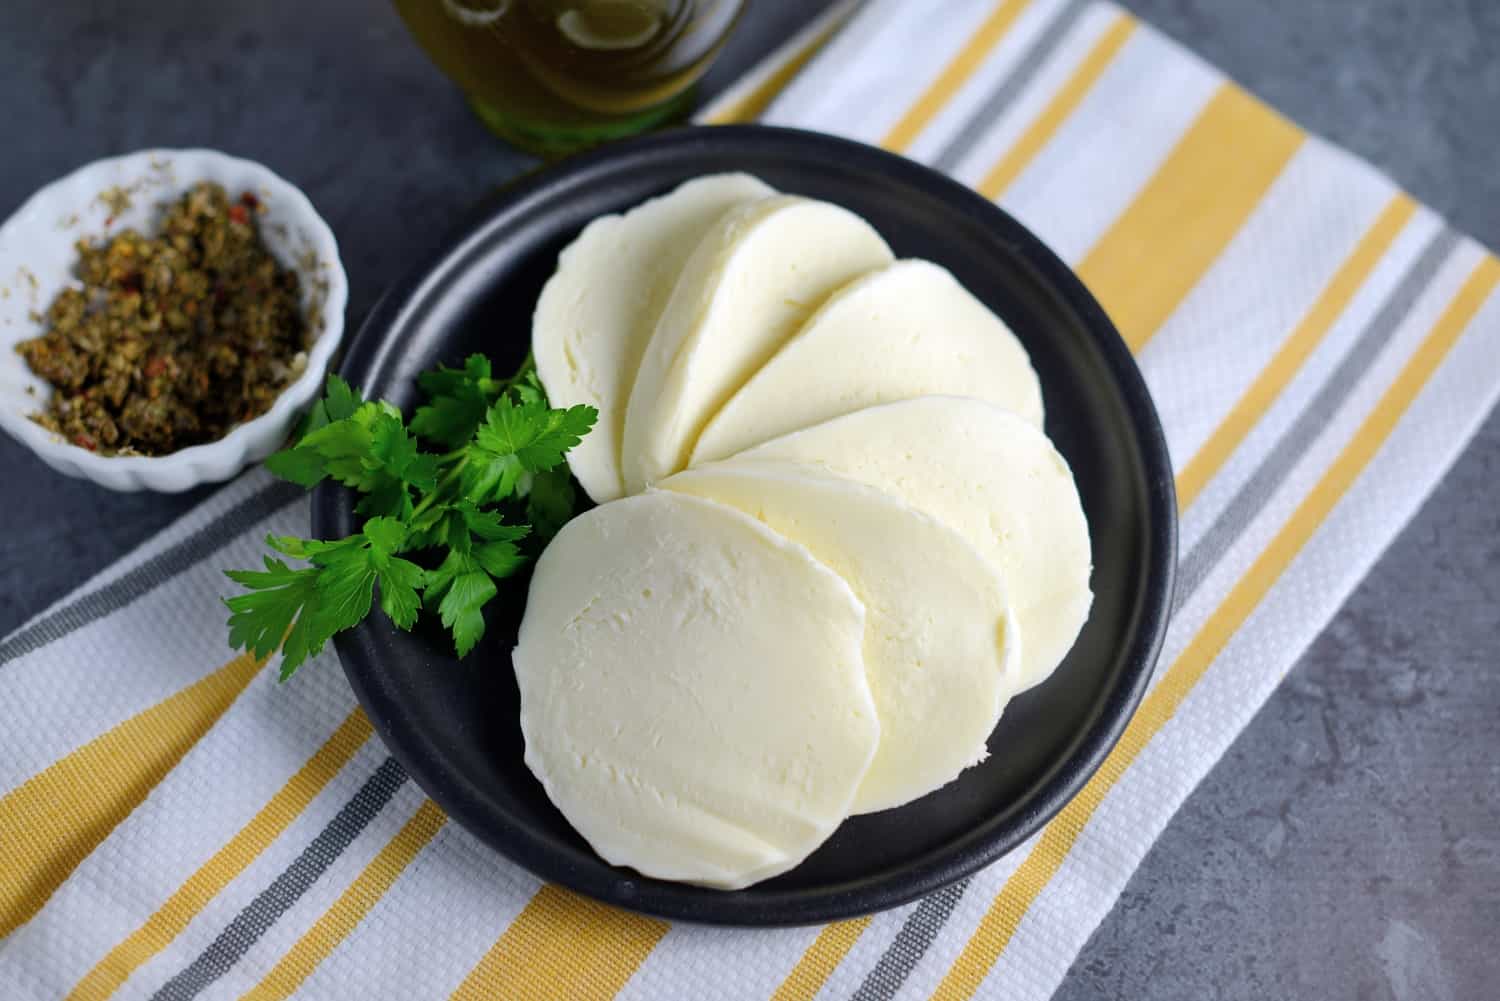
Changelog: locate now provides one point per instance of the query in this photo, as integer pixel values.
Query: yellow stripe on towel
(954, 75)
(1195, 203)
(1146, 231)
(821, 959)
(1289, 358)
(351, 907)
(733, 108)
(53, 820)
(1027, 882)
(225, 864)
(562, 945)
(1067, 99)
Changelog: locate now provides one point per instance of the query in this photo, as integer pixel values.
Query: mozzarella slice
(598, 310)
(754, 279)
(993, 478)
(693, 695)
(939, 653)
(904, 331)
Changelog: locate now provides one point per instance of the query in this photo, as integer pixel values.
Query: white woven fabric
(1330, 357)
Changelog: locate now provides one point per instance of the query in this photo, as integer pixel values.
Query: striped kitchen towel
(174, 825)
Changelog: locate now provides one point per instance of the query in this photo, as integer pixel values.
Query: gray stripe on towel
(270, 904)
(1278, 463)
(923, 925)
(1010, 86)
(151, 574)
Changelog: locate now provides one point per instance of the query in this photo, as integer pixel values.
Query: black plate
(454, 725)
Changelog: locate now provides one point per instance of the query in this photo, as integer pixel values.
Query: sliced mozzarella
(906, 330)
(754, 279)
(993, 478)
(599, 309)
(939, 653)
(693, 694)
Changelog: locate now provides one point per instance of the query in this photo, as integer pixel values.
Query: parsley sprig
(461, 512)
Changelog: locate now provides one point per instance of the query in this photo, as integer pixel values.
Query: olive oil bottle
(557, 75)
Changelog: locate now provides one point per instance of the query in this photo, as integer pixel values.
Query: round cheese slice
(939, 651)
(693, 693)
(904, 331)
(753, 280)
(597, 312)
(990, 476)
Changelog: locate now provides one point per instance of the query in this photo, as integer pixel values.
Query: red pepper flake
(155, 367)
(249, 200)
(84, 441)
(239, 214)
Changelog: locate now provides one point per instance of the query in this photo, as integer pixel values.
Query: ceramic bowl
(37, 260)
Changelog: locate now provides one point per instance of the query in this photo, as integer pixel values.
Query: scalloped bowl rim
(234, 450)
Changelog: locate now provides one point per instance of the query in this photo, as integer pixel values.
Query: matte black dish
(453, 725)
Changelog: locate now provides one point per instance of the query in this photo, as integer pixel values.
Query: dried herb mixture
(173, 339)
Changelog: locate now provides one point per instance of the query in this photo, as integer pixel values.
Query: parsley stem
(446, 481)
(527, 367)
(493, 389)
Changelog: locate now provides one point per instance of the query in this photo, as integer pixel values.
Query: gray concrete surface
(1349, 844)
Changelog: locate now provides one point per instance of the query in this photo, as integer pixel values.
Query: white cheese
(904, 331)
(992, 477)
(753, 280)
(693, 695)
(939, 653)
(599, 309)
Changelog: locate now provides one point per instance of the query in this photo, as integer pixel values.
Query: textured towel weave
(1320, 347)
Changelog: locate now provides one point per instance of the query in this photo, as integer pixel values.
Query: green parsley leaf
(527, 386)
(506, 449)
(488, 477)
(340, 448)
(385, 535)
(400, 580)
(345, 591)
(517, 439)
(395, 450)
(302, 466)
(341, 399)
(499, 558)
(342, 584)
(259, 620)
(445, 381)
(488, 524)
(305, 467)
(459, 589)
(276, 612)
(531, 432)
(550, 501)
(462, 608)
(390, 499)
(459, 399)
(316, 417)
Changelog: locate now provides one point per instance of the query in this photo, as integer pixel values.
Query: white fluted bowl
(37, 260)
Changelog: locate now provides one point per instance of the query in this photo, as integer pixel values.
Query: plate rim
(332, 513)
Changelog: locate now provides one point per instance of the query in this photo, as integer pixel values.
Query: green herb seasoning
(173, 339)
